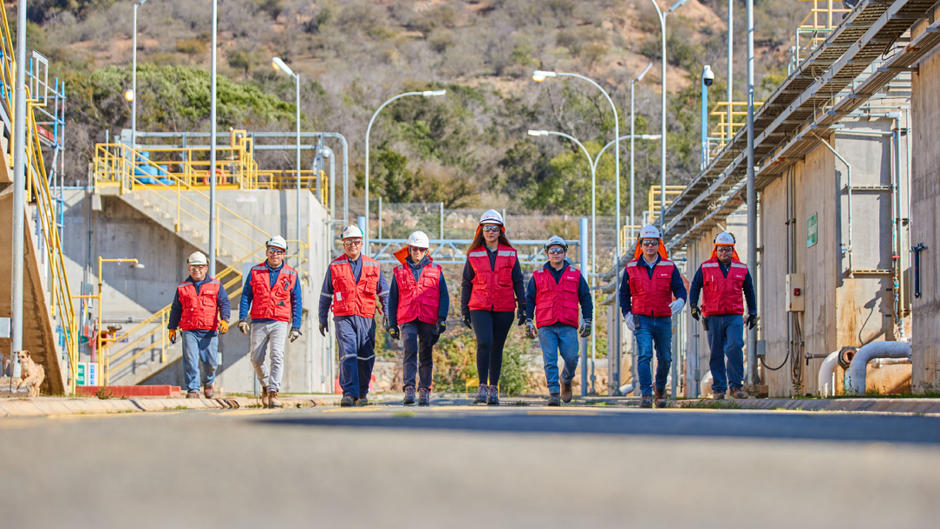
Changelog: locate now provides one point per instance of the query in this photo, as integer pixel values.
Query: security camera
(708, 77)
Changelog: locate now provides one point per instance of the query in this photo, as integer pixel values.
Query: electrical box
(795, 293)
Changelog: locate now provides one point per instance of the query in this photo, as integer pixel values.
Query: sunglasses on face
(724, 249)
(556, 251)
(354, 242)
(491, 227)
(416, 249)
(275, 251)
(650, 243)
(197, 267)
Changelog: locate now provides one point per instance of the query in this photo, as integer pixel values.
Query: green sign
(812, 230)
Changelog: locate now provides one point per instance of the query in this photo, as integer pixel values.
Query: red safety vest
(271, 303)
(492, 288)
(200, 311)
(349, 297)
(418, 300)
(556, 302)
(720, 294)
(650, 296)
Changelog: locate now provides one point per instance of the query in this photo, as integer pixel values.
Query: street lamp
(278, 64)
(708, 77)
(131, 95)
(662, 148)
(103, 362)
(593, 166)
(425, 93)
(632, 136)
(213, 212)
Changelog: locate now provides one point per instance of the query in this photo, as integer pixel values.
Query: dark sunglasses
(275, 251)
(491, 227)
(650, 243)
(556, 251)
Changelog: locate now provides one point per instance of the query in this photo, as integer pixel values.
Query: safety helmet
(649, 232)
(197, 258)
(419, 239)
(724, 239)
(491, 216)
(276, 242)
(555, 240)
(352, 231)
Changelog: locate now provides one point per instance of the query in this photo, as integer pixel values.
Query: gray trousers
(263, 333)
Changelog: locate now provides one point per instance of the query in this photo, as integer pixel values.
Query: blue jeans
(726, 339)
(199, 347)
(555, 338)
(652, 331)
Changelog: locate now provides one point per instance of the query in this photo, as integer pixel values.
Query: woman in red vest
(417, 310)
(491, 288)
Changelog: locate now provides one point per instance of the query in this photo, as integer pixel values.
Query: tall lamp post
(708, 77)
(662, 147)
(425, 93)
(539, 76)
(632, 136)
(132, 95)
(280, 65)
(212, 132)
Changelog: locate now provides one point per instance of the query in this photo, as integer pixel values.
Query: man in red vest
(721, 280)
(552, 296)
(272, 293)
(417, 309)
(201, 310)
(649, 284)
(353, 285)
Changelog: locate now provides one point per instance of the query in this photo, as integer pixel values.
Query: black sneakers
(424, 397)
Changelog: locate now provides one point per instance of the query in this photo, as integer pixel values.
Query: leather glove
(394, 332)
(294, 334)
(695, 314)
(751, 321)
(324, 328)
(223, 327)
(467, 321)
(585, 329)
(676, 306)
(522, 317)
(630, 323)
(243, 326)
(172, 335)
(530, 331)
(441, 327)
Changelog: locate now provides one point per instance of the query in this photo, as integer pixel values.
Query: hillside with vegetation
(464, 149)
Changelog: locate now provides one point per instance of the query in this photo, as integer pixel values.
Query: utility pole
(751, 192)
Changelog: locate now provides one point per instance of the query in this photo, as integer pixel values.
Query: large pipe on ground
(855, 374)
(825, 383)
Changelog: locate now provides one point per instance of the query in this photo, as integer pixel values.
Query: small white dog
(32, 374)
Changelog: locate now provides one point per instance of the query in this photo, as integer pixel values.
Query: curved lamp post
(632, 135)
(426, 93)
(279, 65)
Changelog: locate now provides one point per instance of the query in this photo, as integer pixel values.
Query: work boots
(660, 397)
(738, 393)
(718, 395)
(264, 397)
(424, 397)
(566, 392)
(409, 396)
(347, 400)
(273, 401)
(554, 400)
(646, 401)
(481, 394)
(492, 398)
(209, 392)
(192, 395)
(362, 401)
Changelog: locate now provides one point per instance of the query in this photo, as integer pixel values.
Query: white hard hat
(197, 258)
(419, 239)
(276, 242)
(491, 216)
(649, 232)
(352, 231)
(724, 239)
(555, 240)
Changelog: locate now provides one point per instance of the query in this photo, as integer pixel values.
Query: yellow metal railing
(732, 116)
(653, 209)
(816, 26)
(39, 193)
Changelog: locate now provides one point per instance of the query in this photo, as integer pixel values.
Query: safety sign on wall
(811, 230)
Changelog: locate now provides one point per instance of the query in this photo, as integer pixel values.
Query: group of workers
(416, 304)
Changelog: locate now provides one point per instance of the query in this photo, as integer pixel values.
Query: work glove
(243, 326)
(385, 322)
(522, 317)
(324, 328)
(294, 334)
(695, 314)
(394, 332)
(441, 326)
(172, 335)
(585, 329)
(751, 321)
(223, 327)
(705, 323)
(530, 331)
(676, 306)
(467, 322)
(630, 323)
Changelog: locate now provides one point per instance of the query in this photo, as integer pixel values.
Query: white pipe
(626, 389)
(855, 374)
(825, 381)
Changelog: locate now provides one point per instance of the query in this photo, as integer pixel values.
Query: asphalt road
(390, 467)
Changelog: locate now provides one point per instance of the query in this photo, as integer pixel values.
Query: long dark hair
(478, 239)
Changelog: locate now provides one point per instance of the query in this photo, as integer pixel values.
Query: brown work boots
(566, 391)
(660, 397)
(273, 401)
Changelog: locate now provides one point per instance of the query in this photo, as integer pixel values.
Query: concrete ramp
(38, 327)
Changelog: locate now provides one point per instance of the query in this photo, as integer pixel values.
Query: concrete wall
(925, 210)
(120, 230)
